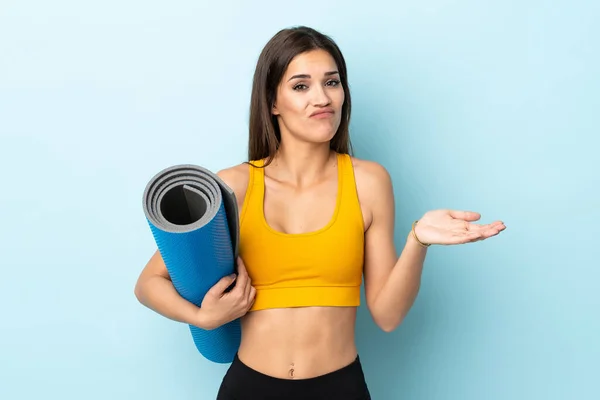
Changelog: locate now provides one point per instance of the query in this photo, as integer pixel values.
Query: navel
(291, 371)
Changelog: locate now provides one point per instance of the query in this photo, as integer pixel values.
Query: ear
(274, 110)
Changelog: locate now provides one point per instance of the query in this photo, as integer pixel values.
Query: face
(309, 98)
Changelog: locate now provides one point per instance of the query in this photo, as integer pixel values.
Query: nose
(320, 97)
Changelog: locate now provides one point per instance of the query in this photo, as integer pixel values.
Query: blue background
(490, 106)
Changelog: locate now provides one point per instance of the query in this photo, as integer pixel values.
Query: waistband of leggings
(257, 376)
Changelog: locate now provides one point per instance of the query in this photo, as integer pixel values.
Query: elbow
(388, 327)
(138, 291)
(387, 323)
(385, 319)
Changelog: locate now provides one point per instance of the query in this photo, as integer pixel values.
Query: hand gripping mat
(193, 216)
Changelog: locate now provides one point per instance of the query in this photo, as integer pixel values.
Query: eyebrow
(306, 76)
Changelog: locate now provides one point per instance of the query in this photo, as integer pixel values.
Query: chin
(320, 137)
(323, 133)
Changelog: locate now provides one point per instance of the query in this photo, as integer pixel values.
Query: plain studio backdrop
(489, 106)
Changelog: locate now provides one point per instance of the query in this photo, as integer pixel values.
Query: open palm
(448, 227)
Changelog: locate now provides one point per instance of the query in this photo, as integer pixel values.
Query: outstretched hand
(448, 227)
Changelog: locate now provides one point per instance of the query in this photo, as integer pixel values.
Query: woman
(313, 219)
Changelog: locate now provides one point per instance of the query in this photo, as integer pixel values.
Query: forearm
(400, 290)
(159, 294)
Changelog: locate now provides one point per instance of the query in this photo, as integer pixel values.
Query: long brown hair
(265, 137)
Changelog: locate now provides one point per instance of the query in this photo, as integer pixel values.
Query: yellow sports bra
(319, 268)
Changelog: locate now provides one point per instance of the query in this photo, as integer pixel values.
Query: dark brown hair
(265, 137)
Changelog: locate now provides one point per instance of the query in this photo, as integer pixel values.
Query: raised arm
(392, 283)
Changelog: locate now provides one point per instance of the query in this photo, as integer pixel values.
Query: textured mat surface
(193, 217)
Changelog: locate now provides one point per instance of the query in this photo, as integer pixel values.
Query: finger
(479, 235)
(241, 266)
(465, 215)
(494, 225)
(240, 262)
(240, 286)
(218, 288)
(242, 274)
(490, 230)
(474, 228)
(484, 228)
(499, 225)
(493, 232)
(466, 237)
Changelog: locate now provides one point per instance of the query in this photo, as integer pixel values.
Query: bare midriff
(298, 343)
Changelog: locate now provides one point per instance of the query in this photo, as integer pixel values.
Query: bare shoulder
(374, 188)
(236, 177)
(372, 179)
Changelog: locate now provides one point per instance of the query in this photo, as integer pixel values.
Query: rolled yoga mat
(193, 216)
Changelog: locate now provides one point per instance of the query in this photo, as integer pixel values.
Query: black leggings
(242, 382)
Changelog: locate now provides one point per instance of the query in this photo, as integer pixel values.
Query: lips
(326, 112)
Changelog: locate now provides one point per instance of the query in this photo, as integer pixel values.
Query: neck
(302, 163)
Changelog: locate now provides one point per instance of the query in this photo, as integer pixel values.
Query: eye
(333, 82)
(300, 86)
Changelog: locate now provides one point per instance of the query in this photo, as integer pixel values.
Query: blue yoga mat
(193, 216)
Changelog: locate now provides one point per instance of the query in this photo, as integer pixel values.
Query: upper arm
(155, 266)
(377, 199)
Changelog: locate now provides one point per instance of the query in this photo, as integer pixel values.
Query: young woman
(313, 220)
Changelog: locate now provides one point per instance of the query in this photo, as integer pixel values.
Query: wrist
(412, 241)
(415, 238)
(202, 320)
